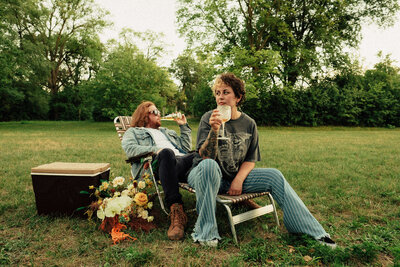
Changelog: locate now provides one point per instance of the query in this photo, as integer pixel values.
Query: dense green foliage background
(54, 66)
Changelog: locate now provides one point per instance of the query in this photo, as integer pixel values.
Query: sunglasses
(156, 112)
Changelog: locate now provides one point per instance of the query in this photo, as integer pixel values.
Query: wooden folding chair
(122, 123)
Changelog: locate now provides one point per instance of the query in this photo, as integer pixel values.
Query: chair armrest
(137, 159)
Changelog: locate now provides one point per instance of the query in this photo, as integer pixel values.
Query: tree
(309, 35)
(125, 79)
(21, 72)
(381, 101)
(193, 73)
(63, 32)
(150, 42)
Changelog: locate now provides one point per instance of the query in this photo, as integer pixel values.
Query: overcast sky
(159, 16)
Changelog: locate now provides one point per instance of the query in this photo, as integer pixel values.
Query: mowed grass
(347, 177)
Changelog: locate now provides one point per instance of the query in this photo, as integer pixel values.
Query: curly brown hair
(234, 82)
(140, 117)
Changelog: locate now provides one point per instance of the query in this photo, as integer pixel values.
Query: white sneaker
(327, 242)
(209, 243)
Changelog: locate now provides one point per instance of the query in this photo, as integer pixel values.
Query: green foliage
(150, 42)
(73, 103)
(46, 45)
(382, 95)
(203, 101)
(21, 96)
(194, 75)
(307, 35)
(125, 79)
(349, 98)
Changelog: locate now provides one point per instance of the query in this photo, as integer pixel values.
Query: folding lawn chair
(122, 123)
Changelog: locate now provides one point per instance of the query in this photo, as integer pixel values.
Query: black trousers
(170, 171)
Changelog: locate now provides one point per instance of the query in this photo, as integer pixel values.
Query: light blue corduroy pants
(205, 178)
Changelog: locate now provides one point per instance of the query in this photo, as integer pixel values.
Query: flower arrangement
(122, 203)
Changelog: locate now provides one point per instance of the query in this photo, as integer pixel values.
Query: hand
(215, 120)
(182, 120)
(236, 188)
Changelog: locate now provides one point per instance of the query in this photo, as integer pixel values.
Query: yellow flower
(103, 186)
(150, 218)
(91, 186)
(149, 205)
(118, 181)
(140, 199)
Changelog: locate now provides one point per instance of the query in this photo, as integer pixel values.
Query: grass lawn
(347, 177)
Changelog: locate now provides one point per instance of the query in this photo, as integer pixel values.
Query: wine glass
(225, 111)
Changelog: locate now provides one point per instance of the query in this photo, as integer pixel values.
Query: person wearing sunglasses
(171, 153)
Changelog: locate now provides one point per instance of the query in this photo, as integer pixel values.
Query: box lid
(71, 168)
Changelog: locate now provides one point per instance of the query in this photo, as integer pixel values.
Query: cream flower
(150, 218)
(118, 181)
(141, 184)
(116, 205)
(100, 213)
(139, 210)
(149, 205)
(144, 214)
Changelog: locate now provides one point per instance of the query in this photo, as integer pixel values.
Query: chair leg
(273, 205)
(228, 210)
(158, 191)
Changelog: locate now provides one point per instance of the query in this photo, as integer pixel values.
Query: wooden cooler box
(57, 186)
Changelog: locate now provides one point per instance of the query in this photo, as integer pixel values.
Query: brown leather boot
(178, 222)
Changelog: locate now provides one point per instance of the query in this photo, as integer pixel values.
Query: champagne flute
(225, 111)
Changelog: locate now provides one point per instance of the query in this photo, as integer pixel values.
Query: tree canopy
(309, 35)
(63, 32)
(125, 79)
(289, 53)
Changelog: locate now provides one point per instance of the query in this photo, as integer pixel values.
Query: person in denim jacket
(171, 153)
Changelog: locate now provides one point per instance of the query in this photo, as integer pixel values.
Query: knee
(210, 170)
(166, 153)
(166, 156)
(276, 172)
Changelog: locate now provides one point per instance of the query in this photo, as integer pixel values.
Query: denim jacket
(138, 141)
